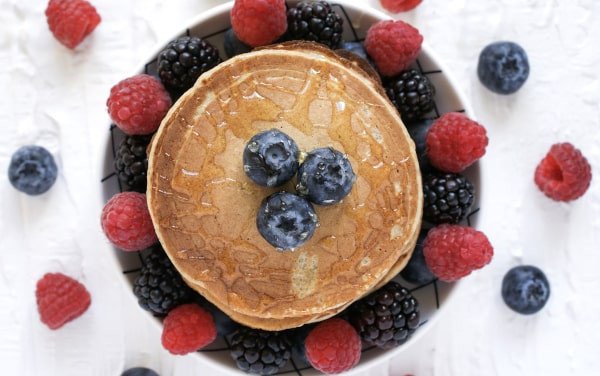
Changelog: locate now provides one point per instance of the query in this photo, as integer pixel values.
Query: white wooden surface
(56, 98)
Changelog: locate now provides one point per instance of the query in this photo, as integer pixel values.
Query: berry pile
(286, 220)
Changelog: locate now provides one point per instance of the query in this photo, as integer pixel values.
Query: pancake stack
(204, 207)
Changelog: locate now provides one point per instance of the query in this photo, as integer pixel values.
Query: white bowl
(211, 25)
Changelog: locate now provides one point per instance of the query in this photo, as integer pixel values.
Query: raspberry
(188, 328)
(138, 104)
(396, 6)
(393, 46)
(127, 223)
(71, 20)
(453, 251)
(454, 142)
(258, 22)
(60, 299)
(333, 346)
(564, 174)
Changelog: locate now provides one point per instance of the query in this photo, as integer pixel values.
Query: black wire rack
(430, 295)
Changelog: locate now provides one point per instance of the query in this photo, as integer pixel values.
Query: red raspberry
(60, 299)
(564, 174)
(138, 104)
(71, 20)
(127, 223)
(333, 346)
(397, 6)
(452, 251)
(454, 142)
(393, 46)
(258, 22)
(188, 328)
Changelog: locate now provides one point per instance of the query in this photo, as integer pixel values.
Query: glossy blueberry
(286, 220)
(418, 133)
(416, 271)
(139, 371)
(271, 158)
(503, 67)
(525, 289)
(355, 47)
(325, 176)
(234, 46)
(32, 170)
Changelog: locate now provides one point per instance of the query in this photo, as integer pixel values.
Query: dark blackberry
(159, 287)
(447, 197)
(184, 60)
(260, 352)
(317, 22)
(411, 93)
(387, 317)
(131, 162)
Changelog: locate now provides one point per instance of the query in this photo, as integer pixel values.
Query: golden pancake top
(204, 206)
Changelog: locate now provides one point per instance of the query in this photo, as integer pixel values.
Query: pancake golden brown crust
(204, 207)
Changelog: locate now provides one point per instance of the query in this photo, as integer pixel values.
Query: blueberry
(416, 271)
(418, 133)
(32, 170)
(355, 47)
(234, 46)
(525, 289)
(503, 67)
(286, 220)
(271, 158)
(325, 176)
(139, 371)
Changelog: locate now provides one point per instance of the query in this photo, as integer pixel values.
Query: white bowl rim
(362, 366)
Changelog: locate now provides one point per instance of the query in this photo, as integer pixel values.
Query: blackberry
(447, 197)
(159, 287)
(260, 352)
(411, 93)
(131, 162)
(387, 317)
(317, 22)
(184, 60)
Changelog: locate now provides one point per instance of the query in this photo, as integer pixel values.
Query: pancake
(204, 207)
